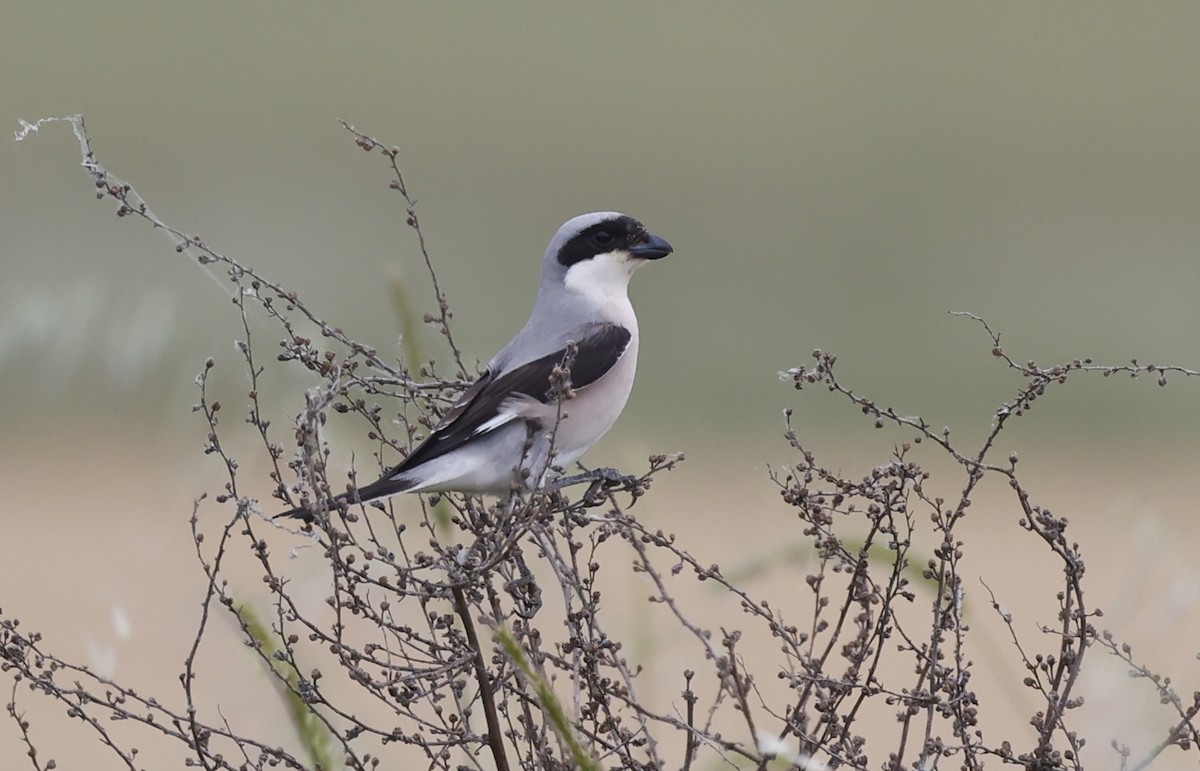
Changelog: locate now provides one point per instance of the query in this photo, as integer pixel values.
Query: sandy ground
(106, 571)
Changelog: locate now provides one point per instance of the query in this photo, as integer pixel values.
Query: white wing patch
(517, 407)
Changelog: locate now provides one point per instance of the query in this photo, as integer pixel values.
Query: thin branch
(486, 692)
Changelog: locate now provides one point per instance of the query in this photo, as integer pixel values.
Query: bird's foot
(601, 479)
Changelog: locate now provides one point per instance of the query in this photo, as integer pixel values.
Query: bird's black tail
(374, 491)
(300, 512)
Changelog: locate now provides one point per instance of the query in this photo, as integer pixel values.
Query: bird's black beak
(653, 248)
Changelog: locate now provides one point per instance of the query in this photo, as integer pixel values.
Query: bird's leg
(536, 462)
(599, 477)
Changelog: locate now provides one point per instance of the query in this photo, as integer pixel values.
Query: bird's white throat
(604, 279)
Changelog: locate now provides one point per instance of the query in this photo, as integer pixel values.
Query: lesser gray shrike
(511, 430)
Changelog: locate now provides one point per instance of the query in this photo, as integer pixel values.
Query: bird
(519, 423)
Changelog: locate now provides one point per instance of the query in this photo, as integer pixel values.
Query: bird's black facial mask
(622, 234)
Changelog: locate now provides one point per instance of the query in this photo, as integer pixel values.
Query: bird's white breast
(602, 281)
(595, 408)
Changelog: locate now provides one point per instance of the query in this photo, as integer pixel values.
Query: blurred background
(835, 176)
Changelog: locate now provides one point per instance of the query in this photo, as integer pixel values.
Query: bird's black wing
(597, 350)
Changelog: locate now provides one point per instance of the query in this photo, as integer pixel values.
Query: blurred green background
(833, 175)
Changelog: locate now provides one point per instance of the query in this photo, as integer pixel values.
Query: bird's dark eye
(602, 237)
